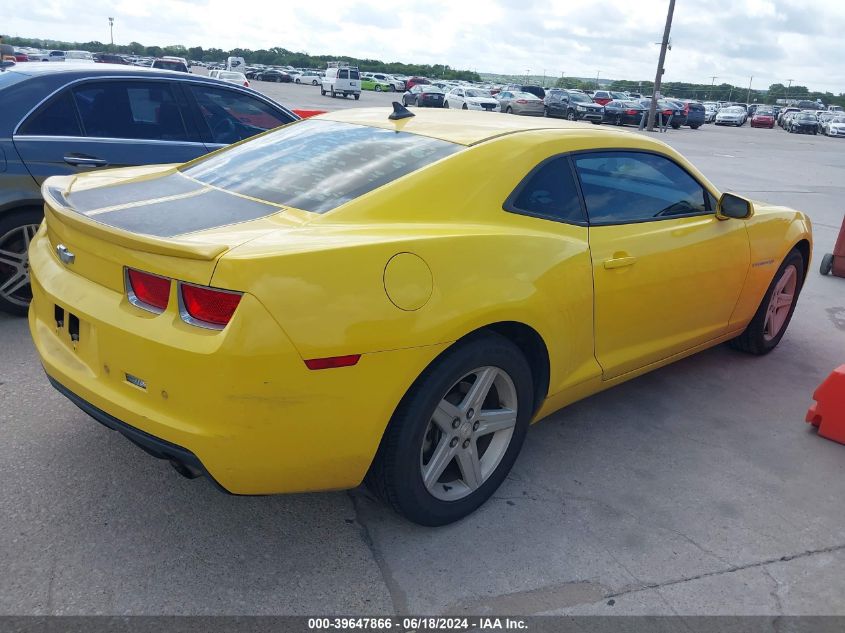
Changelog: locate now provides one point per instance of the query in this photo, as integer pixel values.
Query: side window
(130, 109)
(231, 116)
(549, 192)
(56, 118)
(622, 187)
(353, 74)
(343, 74)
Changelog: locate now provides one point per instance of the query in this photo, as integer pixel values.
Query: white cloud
(773, 40)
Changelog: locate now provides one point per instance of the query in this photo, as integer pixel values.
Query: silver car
(520, 103)
(733, 115)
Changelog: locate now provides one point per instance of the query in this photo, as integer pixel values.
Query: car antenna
(400, 112)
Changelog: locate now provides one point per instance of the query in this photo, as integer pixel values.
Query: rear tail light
(246, 84)
(522, 100)
(630, 111)
(147, 291)
(206, 307)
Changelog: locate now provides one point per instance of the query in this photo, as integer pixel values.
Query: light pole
(527, 72)
(748, 94)
(111, 30)
(652, 109)
(787, 89)
(597, 79)
(562, 83)
(713, 79)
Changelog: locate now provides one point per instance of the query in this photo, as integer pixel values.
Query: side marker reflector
(332, 362)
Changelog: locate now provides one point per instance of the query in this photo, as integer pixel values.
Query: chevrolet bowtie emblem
(64, 254)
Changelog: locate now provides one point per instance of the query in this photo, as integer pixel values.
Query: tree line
(275, 56)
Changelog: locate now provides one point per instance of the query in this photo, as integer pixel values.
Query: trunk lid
(154, 219)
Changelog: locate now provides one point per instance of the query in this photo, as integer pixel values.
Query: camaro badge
(64, 254)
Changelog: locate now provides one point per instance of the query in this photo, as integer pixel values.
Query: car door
(226, 115)
(456, 99)
(108, 123)
(560, 105)
(667, 273)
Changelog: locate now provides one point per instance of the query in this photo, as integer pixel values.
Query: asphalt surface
(696, 489)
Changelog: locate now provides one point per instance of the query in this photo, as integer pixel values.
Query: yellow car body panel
(396, 275)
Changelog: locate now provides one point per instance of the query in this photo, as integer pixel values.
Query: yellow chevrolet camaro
(393, 298)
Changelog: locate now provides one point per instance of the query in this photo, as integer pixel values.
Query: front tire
(769, 324)
(571, 116)
(509, 110)
(457, 432)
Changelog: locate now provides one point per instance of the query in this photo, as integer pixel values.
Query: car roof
(89, 70)
(464, 127)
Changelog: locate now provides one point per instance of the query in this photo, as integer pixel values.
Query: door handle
(619, 262)
(85, 160)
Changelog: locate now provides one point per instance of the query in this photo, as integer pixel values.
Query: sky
(770, 40)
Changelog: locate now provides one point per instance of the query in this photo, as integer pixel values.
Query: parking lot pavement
(696, 489)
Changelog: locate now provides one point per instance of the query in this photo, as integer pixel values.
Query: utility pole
(111, 30)
(652, 109)
(713, 79)
(748, 94)
(562, 83)
(597, 79)
(527, 72)
(787, 88)
(544, 78)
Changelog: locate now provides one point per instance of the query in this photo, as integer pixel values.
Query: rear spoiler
(56, 208)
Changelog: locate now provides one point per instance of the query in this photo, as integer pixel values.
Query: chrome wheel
(780, 303)
(14, 265)
(469, 433)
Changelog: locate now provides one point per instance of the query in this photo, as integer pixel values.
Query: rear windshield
(318, 165)
(165, 64)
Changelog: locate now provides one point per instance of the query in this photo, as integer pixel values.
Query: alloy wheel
(780, 303)
(468, 434)
(14, 265)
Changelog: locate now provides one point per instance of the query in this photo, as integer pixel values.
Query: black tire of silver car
(357, 96)
(827, 264)
(756, 339)
(434, 468)
(509, 110)
(465, 107)
(17, 228)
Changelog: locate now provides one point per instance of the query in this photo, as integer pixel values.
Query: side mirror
(732, 206)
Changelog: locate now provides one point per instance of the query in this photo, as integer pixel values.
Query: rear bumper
(238, 404)
(184, 460)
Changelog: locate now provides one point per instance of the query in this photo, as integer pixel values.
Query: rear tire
(357, 96)
(322, 92)
(378, 88)
(415, 443)
(509, 110)
(759, 337)
(16, 229)
(465, 107)
(827, 264)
